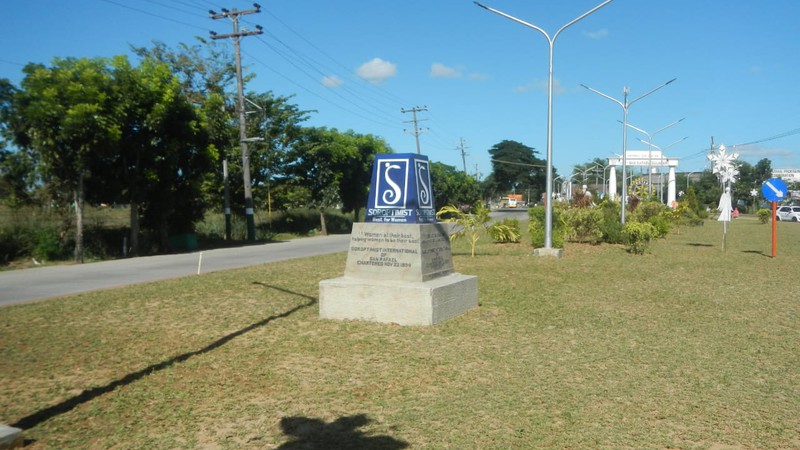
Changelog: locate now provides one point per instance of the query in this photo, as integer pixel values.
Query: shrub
(505, 231)
(638, 236)
(764, 215)
(646, 210)
(15, 242)
(661, 224)
(583, 225)
(48, 246)
(611, 227)
(536, 227)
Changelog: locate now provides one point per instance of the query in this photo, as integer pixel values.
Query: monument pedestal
(398, 273)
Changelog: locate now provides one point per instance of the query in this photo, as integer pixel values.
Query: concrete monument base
(403, 303)
(398, 273)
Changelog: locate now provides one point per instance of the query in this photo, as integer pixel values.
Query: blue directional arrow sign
(774, 190)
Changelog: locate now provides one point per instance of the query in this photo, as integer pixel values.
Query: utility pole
(236, 36)
(463, 155)
(416, 131)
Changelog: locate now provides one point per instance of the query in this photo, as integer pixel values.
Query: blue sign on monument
(400, 191)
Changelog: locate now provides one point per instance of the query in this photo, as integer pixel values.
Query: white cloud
(377, 71)
(540, 85)
(331, 81)
(599, 34)
(439, 70)
(478, 76)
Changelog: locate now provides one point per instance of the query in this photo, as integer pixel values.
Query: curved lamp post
(625, 104)
(548, 216)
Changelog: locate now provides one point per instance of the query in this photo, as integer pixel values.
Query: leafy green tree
(17, 175)
(204, 68)
(452, 186)
(356, 175)
(278, 124)
(590, 174)
(317, 156)
(163, 154)
(515, 168)
(66, 114)
(335, 167)
(708, 189)
(16, 165)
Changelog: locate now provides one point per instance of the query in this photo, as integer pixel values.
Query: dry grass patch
(686, 347)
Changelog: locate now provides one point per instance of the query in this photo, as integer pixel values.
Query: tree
(356, 175)
(65, 114)
(279, 123)
(163, 153)
(708, 189)
(203, 69)
(335, 167)
(452, 186)
(316, 158)
(590, 173)
(17, 175)
(516, 167)
(16, 165)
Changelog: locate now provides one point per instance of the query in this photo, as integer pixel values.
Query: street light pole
(625, 104)
(548, 216)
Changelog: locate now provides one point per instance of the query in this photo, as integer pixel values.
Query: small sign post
(774, 190)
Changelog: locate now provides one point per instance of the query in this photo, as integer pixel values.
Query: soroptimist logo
(392, 183)
(424, 184)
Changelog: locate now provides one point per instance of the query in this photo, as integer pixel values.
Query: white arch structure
(643, 158)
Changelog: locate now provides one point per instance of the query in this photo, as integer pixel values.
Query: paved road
(18, 286)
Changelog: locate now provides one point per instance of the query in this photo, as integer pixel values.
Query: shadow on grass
(88, 395)
(698, 244)
(343, 433)
(757, 252)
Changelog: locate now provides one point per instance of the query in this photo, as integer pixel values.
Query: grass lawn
(685, 347)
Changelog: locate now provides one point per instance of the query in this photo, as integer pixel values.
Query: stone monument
(399, 266)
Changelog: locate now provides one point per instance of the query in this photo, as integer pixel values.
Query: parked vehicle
(788, 213)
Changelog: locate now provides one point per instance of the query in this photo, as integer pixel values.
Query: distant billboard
(790, 175)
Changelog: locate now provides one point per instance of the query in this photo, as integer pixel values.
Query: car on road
(788, 213)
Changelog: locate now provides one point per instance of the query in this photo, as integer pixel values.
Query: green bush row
(601, 224)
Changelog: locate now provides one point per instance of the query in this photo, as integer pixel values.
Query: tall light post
(548, 216)
(625, 104)
(650, 142)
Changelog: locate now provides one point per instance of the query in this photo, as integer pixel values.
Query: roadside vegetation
(686, 346)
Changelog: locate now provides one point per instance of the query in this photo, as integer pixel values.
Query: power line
(772, 138)
(374, 109)
(121, 5)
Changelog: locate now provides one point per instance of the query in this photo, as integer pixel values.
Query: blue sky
(482, 77)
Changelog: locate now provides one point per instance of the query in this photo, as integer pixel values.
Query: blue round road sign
(774, 190)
